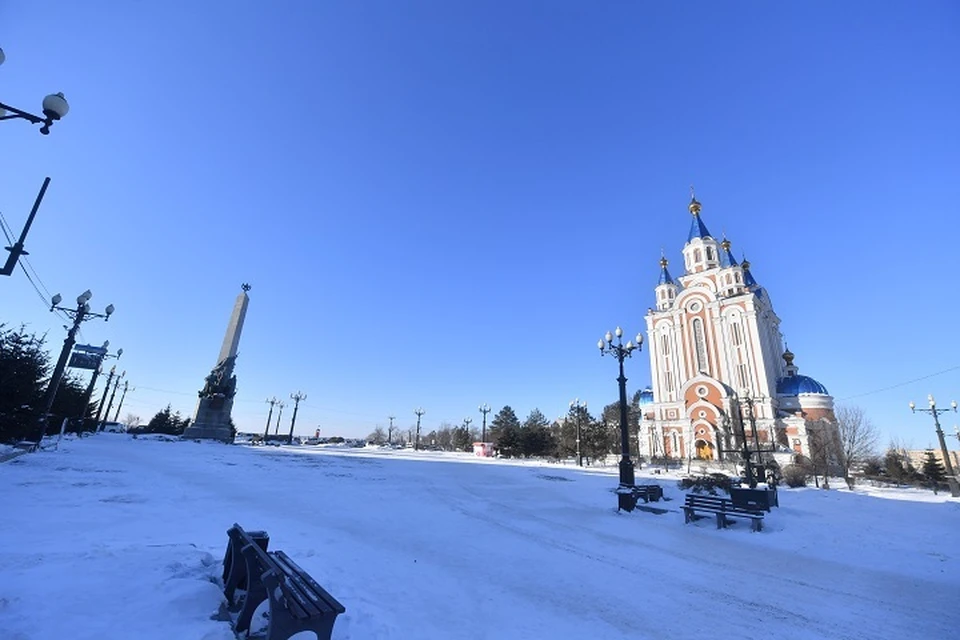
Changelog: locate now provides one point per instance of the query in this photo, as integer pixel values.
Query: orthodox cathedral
(716, 354)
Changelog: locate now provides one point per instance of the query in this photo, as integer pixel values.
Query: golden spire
(725, 244)
(694, 205)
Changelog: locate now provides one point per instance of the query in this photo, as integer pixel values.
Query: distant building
(917, 457)
(714, 339)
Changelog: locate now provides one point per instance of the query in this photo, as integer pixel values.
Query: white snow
(115, 537)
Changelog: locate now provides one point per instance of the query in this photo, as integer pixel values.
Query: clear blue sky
(447, 203)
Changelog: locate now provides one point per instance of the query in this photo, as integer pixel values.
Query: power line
(901, 384)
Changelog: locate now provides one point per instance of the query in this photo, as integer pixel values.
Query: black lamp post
(93, 381)
(466, 432)
(296, 397)
(123, 396)
(81, 313)
(266, 430)
(951, 478)
(54, 107)
(578, 408)
(626, 499)
(113, 394)
(484, 409)
(416, 443)
(276, 430)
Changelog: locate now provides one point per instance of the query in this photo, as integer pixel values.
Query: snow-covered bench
(648, 492)
(297, 602)
(723, 508)
(235, 570)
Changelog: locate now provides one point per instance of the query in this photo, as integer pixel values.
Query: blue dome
(797, 385)
(646, 397)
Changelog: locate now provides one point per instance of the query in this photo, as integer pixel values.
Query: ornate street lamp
(626, 499)
(54, 107)
(951, 478)
(81, 313)
(578, 407)
(416, 443)
(484, 409)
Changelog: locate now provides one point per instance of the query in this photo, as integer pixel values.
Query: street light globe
(600, 344)
(110, 309)
(912, 405)
(119, 352)
(629, 345)
(55, 106)
(83, 297)
(639, 339)
(55, 300)
(954, 404)
(608, 337)
(2, 56)
(619, 332)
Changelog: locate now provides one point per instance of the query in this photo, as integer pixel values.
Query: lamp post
(93, 381)
(484, 409)
(54, 107)
(103, 399)
(626, 499)
(266, 430)
(81, 313)
(276, 430)
(578, 408)
(296, 397)
(416, 443)
(123, 396)
(113, 394)
(951, 478)
(390, 430)
(466, 431)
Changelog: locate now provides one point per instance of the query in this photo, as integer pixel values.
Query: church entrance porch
(704, 450)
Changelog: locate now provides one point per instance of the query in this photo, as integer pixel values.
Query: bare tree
(132, 420)
(858, 439)
(378, 436)
(824, 446)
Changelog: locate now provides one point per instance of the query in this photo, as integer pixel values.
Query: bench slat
(317, 594)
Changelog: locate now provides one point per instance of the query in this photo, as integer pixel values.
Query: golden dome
(663, 262)
(745, 264)
(694, 206)
(725, 244)
(788, 356)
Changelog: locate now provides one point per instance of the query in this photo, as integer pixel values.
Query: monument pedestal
(212, 421)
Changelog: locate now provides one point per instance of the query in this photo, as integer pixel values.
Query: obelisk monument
(212, 418)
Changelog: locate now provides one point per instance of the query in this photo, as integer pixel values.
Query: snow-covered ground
(115, 537)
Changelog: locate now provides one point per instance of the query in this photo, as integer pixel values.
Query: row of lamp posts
(273, 402)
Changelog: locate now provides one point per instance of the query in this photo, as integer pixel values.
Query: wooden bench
(648, 492)
(297, 603)
(723, 508)
(236, 568)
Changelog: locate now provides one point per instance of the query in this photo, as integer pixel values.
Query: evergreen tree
(535, 438)
(933, 469)
(167, 422)
(24, 366)
(505, 432)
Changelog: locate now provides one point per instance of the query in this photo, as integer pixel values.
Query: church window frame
(700, 346)
(697, 256)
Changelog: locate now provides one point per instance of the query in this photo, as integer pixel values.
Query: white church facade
(715, 349)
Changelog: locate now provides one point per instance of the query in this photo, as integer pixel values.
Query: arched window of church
(665, 345)
(697, 256)
(737, 276)
(710, 253)
(736, 333)
(700, 345)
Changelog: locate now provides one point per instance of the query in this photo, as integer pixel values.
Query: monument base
(217, 432)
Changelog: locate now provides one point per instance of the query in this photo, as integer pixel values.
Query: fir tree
(535, 438)
(505, 432)
(933, 469)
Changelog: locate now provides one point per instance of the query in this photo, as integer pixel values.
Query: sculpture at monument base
(212, 421)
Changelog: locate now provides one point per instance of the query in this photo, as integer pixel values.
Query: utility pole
(123, 395)
(390, 430)
(266, 430)
(276, 430)
(113, 394)
(416, 443)
(296, 397)
(484, 409)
